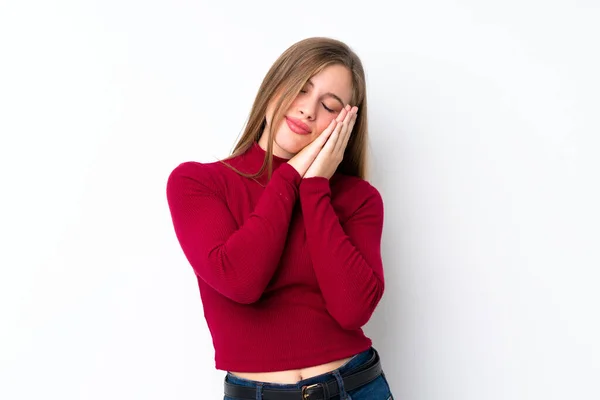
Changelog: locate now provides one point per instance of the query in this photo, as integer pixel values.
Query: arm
(346, 259)
(237, 261)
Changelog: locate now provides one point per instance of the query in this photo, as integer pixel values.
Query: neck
(263, 142)
(255, 156)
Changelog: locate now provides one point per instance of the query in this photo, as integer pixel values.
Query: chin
(291, 142)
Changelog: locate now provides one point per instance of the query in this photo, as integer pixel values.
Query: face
(320, 101)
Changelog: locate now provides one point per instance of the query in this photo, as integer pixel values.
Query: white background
(484, 142)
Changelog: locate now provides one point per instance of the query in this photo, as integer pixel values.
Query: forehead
(336, 79)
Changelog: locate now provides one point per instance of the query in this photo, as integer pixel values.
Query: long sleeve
(236, 261)
(346, 259)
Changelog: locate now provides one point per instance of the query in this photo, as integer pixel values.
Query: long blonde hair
(285, 79)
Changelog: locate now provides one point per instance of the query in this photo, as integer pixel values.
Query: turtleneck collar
(255, 155)
(252, 160)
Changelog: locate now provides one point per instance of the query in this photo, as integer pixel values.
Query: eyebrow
(328, 93)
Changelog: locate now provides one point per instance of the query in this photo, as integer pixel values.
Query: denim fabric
(377, 389)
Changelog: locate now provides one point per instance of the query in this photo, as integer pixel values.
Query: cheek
(269, 114)
(324, 123)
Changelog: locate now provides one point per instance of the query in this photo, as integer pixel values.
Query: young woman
(284, 236)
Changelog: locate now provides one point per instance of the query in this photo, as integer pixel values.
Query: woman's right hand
(305, 157)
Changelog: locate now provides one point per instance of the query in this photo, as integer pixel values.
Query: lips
(297, 126)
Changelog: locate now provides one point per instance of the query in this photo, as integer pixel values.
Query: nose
(307, 109)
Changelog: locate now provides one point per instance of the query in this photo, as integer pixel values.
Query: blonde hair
(283, 82)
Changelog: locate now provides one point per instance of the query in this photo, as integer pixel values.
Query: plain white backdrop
(484, 143)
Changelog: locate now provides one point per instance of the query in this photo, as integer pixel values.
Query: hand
(305, 157)
(332, 153)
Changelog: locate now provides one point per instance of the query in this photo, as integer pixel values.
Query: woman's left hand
(332, 153)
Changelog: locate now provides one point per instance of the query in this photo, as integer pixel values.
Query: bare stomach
(293, 375)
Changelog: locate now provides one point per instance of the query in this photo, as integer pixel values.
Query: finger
(345, 116)
(333, 139)
(322, 138)
(344, 124)
(350, 128)
(315, 147)
(349, 111)
(346, 132)
(342, 114)
(340, 139)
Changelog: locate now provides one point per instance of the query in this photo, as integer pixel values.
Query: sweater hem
(272, 365)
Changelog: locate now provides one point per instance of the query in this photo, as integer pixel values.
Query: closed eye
(324, 106)
(328, 109)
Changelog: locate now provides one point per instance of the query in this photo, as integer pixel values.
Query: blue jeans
(377, 389)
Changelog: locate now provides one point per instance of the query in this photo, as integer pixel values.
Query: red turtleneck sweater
(288, 272)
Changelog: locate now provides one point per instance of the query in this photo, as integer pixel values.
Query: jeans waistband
(354, 363)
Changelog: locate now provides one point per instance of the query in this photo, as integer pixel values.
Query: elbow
(355, 314)
(243, 296)
(354, 322)
(351, 318)
(238, 287)
(242, 291)
(354, 318)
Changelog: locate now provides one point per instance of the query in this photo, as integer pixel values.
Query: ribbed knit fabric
(288, 271)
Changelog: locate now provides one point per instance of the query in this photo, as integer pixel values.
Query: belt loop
(326, 394)
(259, 388)
(340, 381)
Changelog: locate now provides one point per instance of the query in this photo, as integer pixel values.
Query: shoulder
(212, 176)
(194, 170)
